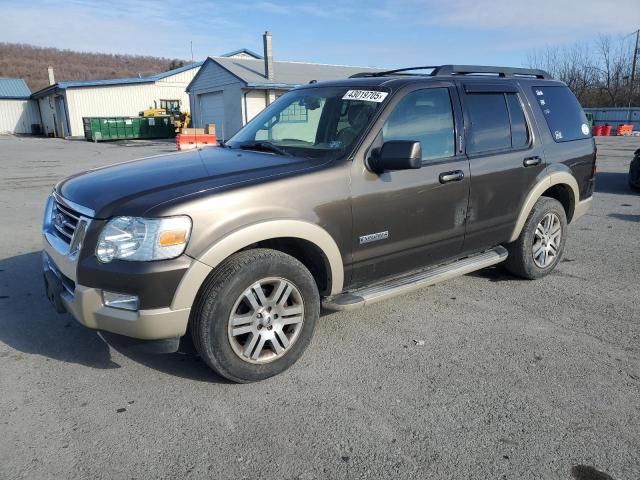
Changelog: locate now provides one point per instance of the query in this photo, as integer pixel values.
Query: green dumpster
(98, 129)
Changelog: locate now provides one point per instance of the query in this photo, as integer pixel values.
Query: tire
(521, 261)
(634, 173)
(238, 301)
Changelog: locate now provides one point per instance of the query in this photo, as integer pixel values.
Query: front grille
(68, 284)
(64, 221)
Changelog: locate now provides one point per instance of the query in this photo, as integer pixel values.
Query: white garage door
(212, 111)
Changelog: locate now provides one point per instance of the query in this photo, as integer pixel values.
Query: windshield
(321, 123)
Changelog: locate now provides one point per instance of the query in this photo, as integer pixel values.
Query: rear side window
(519, 130)
(497, 122)
(563, 113)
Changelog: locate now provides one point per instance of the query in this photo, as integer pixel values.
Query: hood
(132, 188)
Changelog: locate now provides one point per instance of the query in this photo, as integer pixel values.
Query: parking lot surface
(482, 377)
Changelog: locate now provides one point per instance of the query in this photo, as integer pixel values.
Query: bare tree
(615, 70)
(598, 74)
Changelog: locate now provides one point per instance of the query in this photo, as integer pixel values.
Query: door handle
(454, 176)
(532, 161)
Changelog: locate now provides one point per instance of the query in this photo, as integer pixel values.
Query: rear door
(568, 136)
(505, 159)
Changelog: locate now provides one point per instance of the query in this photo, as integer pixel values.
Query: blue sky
(354, 32)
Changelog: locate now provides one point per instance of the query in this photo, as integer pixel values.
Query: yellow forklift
(169, 108)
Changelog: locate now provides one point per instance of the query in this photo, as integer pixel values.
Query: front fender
(226, 246)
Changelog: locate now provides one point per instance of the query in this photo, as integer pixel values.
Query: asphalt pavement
(483, 377)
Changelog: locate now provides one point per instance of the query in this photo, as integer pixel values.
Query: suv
(339, 194)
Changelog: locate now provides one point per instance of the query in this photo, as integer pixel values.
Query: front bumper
(60, 260)
(85, 304)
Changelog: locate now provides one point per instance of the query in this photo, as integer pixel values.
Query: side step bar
(409, 283)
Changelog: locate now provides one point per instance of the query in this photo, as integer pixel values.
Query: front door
(405, 220)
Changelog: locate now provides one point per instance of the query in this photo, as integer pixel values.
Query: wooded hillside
(30, 63)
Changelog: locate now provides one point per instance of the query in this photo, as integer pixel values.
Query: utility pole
(633, 72)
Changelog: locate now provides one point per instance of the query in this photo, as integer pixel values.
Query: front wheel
(539, 247)
(256, 315)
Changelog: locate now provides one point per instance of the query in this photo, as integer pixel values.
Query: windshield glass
(321, 123)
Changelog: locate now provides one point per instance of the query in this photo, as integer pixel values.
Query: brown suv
(338, 194)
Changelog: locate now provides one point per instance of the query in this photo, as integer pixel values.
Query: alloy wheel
(546, 241)
(266, 320)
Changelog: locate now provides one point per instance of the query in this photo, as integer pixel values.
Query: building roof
(14, 88)
(114, 81)
(286, 74)
(240, 52)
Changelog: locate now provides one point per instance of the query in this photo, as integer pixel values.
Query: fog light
(121, 300)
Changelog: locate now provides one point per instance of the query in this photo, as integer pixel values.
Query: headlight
(143, 239)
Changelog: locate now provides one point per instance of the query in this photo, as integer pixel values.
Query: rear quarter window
(563, 113)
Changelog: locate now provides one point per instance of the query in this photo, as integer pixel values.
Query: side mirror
(396, 155)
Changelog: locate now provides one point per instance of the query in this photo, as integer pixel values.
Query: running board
(409, 283)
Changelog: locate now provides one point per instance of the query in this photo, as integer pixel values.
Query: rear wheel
(255, 315)
(540, 245)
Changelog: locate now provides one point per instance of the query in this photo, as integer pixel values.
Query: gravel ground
(515, 379)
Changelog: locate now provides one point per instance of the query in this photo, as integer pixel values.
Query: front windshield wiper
(264, 145)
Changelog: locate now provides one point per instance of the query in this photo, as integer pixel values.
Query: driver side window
(424, 116)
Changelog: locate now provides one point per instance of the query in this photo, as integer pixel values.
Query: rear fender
(553, 178)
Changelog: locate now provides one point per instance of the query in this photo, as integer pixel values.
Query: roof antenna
(191, 43)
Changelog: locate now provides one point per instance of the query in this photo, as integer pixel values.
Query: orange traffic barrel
(624, 129)
(186, 141)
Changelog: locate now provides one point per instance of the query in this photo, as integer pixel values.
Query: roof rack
(447, 70)
(398, 71)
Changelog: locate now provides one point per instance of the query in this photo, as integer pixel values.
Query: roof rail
(397, 71)
(484, 70)
(443, 70)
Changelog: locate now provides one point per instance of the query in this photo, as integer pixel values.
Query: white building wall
(182, 78)
(120, 100)
(48, 114)
(17, 116)
(255, 102)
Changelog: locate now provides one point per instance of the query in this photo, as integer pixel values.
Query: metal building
(18, 113)
(64, 104)
(615, 116)
(231, 89)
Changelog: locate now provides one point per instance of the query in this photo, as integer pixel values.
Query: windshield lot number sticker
(366, 95)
